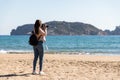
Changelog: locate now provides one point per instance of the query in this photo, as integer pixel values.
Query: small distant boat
(29, 33)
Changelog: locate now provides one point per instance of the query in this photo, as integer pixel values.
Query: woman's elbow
(44, 34)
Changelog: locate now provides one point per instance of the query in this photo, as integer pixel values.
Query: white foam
(3, 51)
(14, 51)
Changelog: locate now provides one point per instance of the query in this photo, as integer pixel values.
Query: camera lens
(47, 26)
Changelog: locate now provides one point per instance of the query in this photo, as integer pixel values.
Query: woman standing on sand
(40, 31)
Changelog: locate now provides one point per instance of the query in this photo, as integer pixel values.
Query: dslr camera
(44, 26)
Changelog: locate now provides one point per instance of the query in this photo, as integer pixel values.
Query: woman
(38, 50)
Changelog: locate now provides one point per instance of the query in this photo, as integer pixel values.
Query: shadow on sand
(12, 75)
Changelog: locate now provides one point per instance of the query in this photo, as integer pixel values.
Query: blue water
(81, 44)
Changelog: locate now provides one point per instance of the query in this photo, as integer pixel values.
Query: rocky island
(66, 28)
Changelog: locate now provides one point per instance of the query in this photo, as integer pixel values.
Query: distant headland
(66, 28)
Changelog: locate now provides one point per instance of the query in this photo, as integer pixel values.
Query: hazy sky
(104, 14)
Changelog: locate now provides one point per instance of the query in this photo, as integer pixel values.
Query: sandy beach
(60, 67)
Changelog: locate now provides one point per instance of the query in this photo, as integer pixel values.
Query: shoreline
(64, 52)
(79, 56)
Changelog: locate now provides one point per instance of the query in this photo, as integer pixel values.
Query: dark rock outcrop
(114, 32)
(22, 30)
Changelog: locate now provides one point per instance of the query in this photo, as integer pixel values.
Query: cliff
(114, 32)
(63, 28)
(22, 30)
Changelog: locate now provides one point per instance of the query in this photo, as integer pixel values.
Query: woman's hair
(37, 24)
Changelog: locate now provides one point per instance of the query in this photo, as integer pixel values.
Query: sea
(92, 45)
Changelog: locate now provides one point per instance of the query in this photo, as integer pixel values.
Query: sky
(103, 14)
